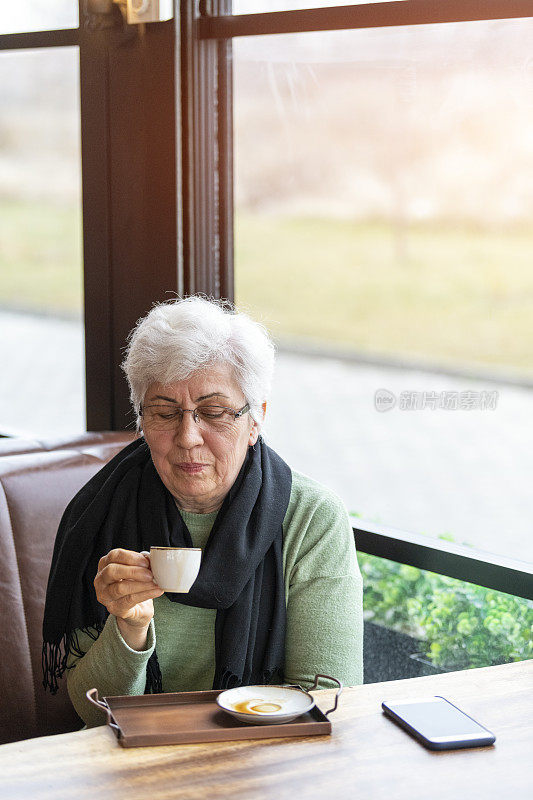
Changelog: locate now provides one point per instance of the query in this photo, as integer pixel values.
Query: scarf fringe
(55, 655)
(154, 679)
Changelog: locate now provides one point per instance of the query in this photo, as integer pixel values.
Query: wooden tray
(188, 717)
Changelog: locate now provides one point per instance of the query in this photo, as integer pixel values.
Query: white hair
(180, 337)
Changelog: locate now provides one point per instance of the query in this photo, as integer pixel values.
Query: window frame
(364, 15)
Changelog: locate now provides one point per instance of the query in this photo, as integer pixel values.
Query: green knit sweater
(323, 591)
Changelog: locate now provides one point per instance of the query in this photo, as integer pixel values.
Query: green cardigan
(323, 591)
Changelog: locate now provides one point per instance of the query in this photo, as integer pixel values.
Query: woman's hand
(125, 585)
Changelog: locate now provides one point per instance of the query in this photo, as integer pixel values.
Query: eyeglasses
(165, 417)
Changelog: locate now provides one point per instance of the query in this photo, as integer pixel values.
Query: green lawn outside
(442, 292)
(40, 257)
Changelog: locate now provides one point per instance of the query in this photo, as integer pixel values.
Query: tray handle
(92, 697)
(337, 694)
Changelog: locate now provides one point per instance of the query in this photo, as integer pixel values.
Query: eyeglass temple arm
(243, 410)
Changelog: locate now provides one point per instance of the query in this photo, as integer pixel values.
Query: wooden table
(366, 757)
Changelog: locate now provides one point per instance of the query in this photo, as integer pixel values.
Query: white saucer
(293, 701)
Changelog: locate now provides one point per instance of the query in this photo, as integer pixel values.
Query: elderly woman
(278, 597)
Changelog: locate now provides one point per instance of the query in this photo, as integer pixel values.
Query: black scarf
(241, 575)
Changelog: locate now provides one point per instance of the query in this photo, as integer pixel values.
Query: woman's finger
(126, 603)
(119, 572)
(120, 589)
(121, 556)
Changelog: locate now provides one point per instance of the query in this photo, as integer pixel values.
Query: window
(38, 15)
(114, 88)
(41, 279)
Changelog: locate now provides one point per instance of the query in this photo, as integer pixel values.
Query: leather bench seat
(35, 487)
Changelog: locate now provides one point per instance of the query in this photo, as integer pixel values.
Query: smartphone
(438, 724)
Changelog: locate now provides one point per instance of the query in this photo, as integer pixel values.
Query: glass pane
(41, 294)
(38, 15)
(418, 623)
(262, 6)
(384, 209)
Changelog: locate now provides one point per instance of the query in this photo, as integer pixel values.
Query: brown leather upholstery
(35, 488)
(10, 446)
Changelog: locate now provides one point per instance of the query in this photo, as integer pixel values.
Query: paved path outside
(468, 473)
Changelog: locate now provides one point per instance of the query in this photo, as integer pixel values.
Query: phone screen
(439, 722)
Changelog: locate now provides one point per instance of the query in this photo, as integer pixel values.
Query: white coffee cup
(175, 568)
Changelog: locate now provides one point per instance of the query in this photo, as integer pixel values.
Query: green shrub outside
(462, 625)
